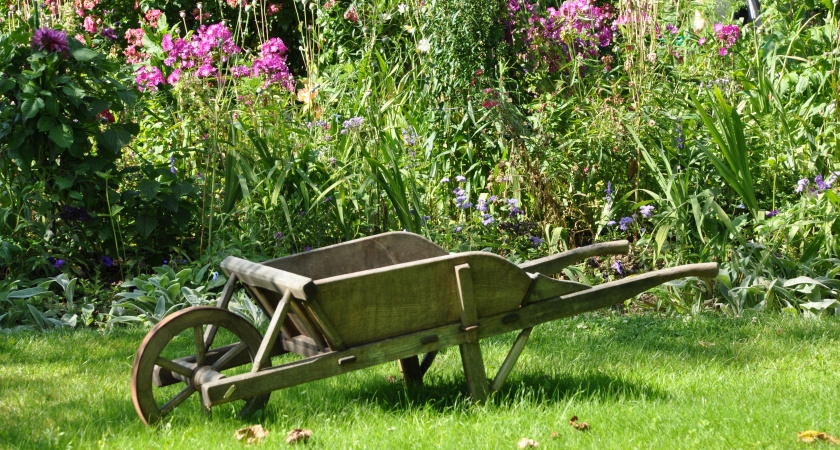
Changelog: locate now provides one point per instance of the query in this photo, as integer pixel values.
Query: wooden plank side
(361, 254)
(545, 287)
(381, 303)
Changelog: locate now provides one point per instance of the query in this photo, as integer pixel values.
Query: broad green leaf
(84, 54)
(46, 123)
(114, 139)
(148, 188)
(27, 293)
(31, 107)
(62, 135)
(145, 225)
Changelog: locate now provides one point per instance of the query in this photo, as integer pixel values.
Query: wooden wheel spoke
(200, 349)
(210, 335)
(172, 366)
(227, 357)
(176, 400)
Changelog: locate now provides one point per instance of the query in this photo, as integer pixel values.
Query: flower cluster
(207, 52)
(353, 124)
(821, 183)
(546, 37)
(272, 63)
(646, 210)
(727, 34)
(410, 137)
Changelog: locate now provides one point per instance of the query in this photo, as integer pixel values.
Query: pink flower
(174, 77)
(701, 41)
(273, 9)
(489, 103)
(351, 15)
(167, 43)
(148, 77)
(90, 24)
(723, 51)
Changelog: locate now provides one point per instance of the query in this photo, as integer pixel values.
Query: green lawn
(641, 381)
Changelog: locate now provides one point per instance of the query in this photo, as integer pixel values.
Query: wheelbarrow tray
(396, 295)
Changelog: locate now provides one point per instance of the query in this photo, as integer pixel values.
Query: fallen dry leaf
(254, 433)
(555, 434)
(814, 436)
(298, 435)
(706, 344)
(580, 426)
(391, 379)
(525, 443)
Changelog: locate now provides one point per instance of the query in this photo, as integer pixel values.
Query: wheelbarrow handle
(556, 263)
(270, 278)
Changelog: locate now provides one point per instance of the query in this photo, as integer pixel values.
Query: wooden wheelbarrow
(361, 303)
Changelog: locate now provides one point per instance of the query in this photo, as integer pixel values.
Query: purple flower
(671, 28)
(741, 207)
(278, 235)
(512, 201)
(800, 185)
(646, 210)
(611, 223)
(622, 224)
(773, 213)
(493, 198)
(487, 220)
(50, 41)
(482, 206)
(459, 191)
(514, 211)
(108, 261)
(55, 262)
(215, 275)
(536, 240)
(618, 268)
(444, 180)
(818, 180)
(109, 33)
(460, 178)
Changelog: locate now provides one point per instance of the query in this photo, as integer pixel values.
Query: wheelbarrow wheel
(185, 350)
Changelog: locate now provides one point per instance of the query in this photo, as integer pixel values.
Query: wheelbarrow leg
(410, 369)
(471, 350)
(510, 360)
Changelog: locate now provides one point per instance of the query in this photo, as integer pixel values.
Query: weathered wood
(330, 333)
(270, 278)
(148, 356)
(224, 300)
(302, 345)
(410, 370)
(263, 358)
(387, 302)
(556, 263)
(367, 253)
(510, 359)
(427, 361)
(470, 349)
(378, 352)
(302, 322)
(545, 287)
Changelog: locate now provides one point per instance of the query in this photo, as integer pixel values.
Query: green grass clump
(641, 381)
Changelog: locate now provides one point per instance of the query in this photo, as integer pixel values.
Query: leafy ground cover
(639, 380)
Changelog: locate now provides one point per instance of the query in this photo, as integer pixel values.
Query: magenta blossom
(50, 41)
